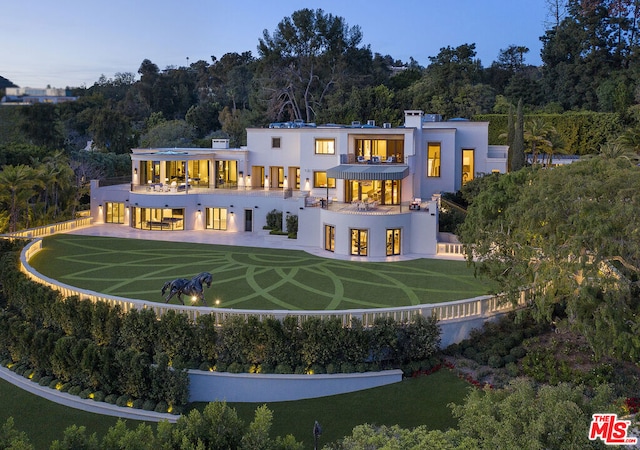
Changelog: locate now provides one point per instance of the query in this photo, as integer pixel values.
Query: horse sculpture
(193, 288)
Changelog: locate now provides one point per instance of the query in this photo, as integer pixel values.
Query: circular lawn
(250, 277)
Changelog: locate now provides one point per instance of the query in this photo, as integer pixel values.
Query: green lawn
(252, 278)
(413, 402)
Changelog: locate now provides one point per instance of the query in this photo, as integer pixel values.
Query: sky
(71, 43)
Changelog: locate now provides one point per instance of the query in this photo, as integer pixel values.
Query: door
(248, 220)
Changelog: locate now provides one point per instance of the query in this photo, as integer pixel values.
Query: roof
(384, 171)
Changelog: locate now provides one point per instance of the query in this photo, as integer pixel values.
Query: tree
(303, 59)
(556, 232)
(536, 133)
(518, 159)
(521, 416)
(41, 125)
(20, 184)
(172, 133)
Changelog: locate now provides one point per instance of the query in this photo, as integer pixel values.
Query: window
(393, 241)
(433, 161)
(468, 168)
(391, 150)
(359, 240)
(216, 219)
(226, 174)
(320, 180)
(275, 142)
(325, 147)
(329, 238)
(114, 212)
(158, 218)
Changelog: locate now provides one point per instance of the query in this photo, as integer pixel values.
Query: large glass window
(468, 162)
(114, 212)
(391, 150)
(386, 192)
(277, 176)
(257, 176)
(320, 180)
(226, 174)
(359, 239)
(158, 218)
(216, 218)
(325, 146)
(329, 238)
(393, 241)
(433, 159)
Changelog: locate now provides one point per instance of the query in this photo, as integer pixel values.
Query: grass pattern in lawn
(250, 277)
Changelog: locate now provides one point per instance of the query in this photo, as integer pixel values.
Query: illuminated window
(114, 212)
(359, 239)
(325, 147)
(320, 180)
(329, 238)
(216, 219)
(468, 168)
(433, 161)
(393, 241)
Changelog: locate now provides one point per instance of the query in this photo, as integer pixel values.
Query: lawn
(250, 277)
(413, 402)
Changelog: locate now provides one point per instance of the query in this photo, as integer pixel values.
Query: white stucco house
(359, 190)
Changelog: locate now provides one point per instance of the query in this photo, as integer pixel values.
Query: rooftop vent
(386, 125)
(355, 123)
(371, 123)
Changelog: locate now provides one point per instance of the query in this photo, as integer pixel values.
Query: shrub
(220, 367)
(512, 369)
(518, 352)
(123, 400)
(274, 219)
(111, 399)
(495, 361)
(98, 396)
(161, 407)
(318, 369)
(235, 368)
(361, 367)
(85, 393)
(75, 390)
(65, 387)
(149, 405)
(470, 353)
(347, 368)
(45, 381)
(300, 370)
(138, 403)
(283, 368)
(54, 383)
(331, 368)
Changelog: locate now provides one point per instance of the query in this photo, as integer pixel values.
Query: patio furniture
(375, 160)
(415, 203)
(360, 159)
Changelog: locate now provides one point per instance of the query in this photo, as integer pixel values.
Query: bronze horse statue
(193, 287)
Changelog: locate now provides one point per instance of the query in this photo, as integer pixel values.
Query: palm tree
(556, 146)
(630, 139)
(19, 183)
(615, 150)
(536, 133)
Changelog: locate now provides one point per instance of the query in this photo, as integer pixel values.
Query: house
(358, 190)
(30, 96)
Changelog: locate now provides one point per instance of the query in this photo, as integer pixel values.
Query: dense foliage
(571, 234)
(136, 356)
(217, 427)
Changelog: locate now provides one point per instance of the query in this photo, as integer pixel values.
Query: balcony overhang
(383, 171)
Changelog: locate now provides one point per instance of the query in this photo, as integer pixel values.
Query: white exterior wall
(297, 149)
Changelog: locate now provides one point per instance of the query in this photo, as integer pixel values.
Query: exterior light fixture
(231, 206)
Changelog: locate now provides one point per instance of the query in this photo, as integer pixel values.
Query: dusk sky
(71, 42)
